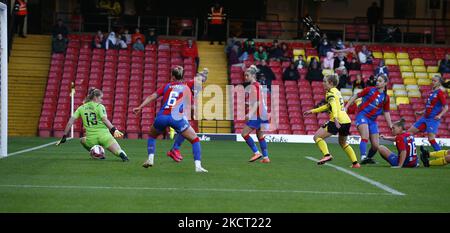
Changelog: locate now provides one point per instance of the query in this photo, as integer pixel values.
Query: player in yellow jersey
(339, 122)
(98, 127)
(440, 158)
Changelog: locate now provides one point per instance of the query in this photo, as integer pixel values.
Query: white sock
(151, 157)
(198, 163)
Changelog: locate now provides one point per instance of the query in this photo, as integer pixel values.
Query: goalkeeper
(96, 123)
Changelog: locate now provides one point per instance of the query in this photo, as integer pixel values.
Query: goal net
(3, 80)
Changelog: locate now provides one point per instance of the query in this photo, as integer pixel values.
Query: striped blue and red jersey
(175, 95)
(406, 142)
(256, 97)
(374, 103)
(435, 102)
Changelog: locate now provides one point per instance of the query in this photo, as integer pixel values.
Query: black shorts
(330, 127)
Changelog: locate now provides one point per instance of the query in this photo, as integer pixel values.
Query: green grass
(231, 185)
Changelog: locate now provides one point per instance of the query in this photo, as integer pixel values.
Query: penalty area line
(363, 178)
(27, 186)
(32, 148)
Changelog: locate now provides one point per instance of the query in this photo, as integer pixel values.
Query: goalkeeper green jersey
(92, 114)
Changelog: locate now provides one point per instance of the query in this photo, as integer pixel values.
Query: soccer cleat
(124, 157)
(147, 164)
(356, 165)
(265, 160)
(368, 160)
(425, 156)
(325, 159)
(255, 157)
(200, 169)
(175, 155)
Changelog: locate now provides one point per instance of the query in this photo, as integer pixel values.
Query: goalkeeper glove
(116, 133)
(63, 140)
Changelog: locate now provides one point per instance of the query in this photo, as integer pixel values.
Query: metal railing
(164, 25)
(420, 30)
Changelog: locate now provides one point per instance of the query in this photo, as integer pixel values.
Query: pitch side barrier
(286, 138)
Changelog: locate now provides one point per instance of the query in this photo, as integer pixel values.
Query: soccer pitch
(66, 179)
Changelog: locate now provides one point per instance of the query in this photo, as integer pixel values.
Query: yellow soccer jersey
(334, 106)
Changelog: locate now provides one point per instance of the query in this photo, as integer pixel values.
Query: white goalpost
(3, 80)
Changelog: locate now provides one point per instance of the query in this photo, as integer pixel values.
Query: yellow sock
(350, 153)
(171, 133)
(438, 162)
(438, 154)
(322, 146)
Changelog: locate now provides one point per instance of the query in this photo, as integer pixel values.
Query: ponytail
(332, 79)
(178, 72)
(400, 123)
(93, 92)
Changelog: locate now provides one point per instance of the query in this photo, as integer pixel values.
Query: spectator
(266, 75)
(260, 54)
(351, 51)
(365, 56)
(358, 83)
(300, 63)
(324, 48)
(444, 65)
(249, 46)
(121, 42)
(152, 38)
(381, 69)
(60, 28)
(20, 12)
(340, 58)
(354, 65)
(339, 44)
(137, 34)
(126, 36)
(138, 45)
(244, 57)
(342, 73)
(287, 52)
(99, 40)
(371, 82)
(291, 73)
(112, 42)
(59, 44)
(314, 71)
(216, 24)
(233, 56)
(328, 62)
(276, 53)
(373, 15)
(230, 44)
(191, 50)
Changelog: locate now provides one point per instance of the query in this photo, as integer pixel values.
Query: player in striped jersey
(339, 122)
(257, 117)
(375, 102)
(435, 108)
(176, 98)
(99, 130)
(195, 87)
(405, 143)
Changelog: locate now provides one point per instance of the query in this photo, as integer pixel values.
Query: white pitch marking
(27, 186)
(33, 148)
(365, 179)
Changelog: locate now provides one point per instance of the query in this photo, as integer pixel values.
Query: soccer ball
(97, 152)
